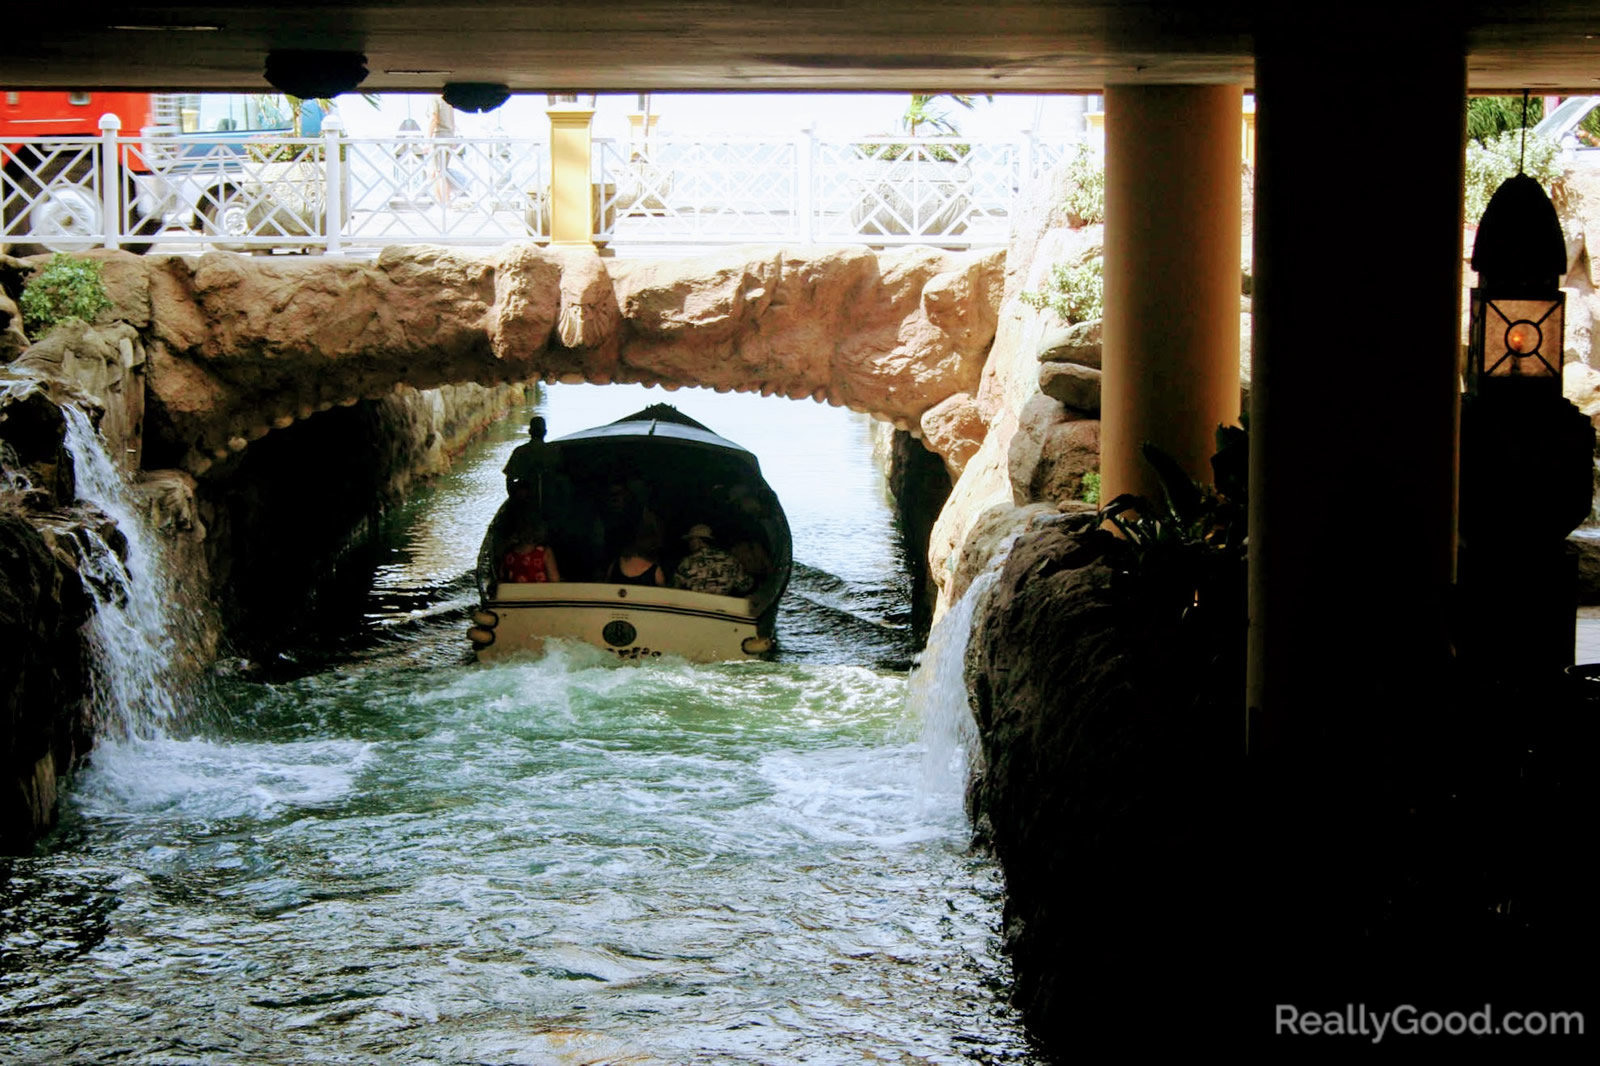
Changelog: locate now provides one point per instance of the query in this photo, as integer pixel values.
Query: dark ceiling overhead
(811, 45)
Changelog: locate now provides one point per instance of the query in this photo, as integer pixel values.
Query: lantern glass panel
(1523, 338)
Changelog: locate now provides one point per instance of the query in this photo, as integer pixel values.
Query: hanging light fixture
(1518, 308)
(475, 96)
(312, 74)
(1518, 321)
(1527, 452)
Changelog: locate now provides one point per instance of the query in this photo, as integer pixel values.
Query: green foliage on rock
(1086, 188)
(67, 288)
(1491, 163)
(1089, 492)
(1074, 291)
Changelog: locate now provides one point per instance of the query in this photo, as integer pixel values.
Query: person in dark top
(638, 564)
(534, 470)
(627, 517)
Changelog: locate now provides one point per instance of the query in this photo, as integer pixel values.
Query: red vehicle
(36, 114)
(51, 193)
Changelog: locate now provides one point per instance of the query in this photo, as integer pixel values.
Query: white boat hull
(630, 621)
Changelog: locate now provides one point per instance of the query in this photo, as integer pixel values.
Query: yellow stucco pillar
(1172, 279)
(571, 195)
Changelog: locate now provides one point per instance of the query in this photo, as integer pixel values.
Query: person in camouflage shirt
(707, 568)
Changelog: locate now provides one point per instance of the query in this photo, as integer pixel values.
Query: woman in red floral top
(529, 559)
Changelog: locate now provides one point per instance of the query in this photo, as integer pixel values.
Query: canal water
(377, 850)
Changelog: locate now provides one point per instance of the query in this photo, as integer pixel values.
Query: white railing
(697, 191)
(939, 190)
(342, 194)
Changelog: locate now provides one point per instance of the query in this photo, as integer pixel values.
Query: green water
(380, 851)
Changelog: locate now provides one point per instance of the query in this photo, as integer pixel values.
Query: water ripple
(382, 852)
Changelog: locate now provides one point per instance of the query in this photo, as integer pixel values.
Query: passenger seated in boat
(753, 556)
(627, 516)
(708, 568)
(743, 529)
(638, 564)
(529, 560)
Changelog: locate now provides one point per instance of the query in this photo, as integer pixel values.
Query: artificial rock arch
(239, 346)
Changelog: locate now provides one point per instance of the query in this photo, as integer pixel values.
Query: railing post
(805, 149)
(571, 184)
(1030, 147)
(110, 181)
(333, 200)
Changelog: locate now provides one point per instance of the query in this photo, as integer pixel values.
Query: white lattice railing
(341, 194)
(697, 190)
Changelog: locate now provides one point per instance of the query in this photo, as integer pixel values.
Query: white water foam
(133, 684)
(937, 693)
(198, 779)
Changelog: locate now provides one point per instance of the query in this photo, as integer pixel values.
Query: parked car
(1574, 125)
(201, 184)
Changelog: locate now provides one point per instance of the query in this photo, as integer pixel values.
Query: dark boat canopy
(681, 473)
(659, 423)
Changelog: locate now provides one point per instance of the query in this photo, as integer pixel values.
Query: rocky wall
(248, 543)
(240, 347)
(43, 726)
(44, 722)
(919, 482)
(1108, 733)
(1096, 740)
(1111, 785)
(292, 518)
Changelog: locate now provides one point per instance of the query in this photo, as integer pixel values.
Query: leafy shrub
(66, 288)
(1089, 491)
(1489, 116)
(900, 152)
(1086, 191)
(1491, 163)
(1075, 292)
(1189, 549)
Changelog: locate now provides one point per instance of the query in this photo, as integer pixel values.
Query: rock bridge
(236, 347)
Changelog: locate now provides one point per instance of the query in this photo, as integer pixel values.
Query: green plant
(1490, 116)
(1589, 128)
(1503, 155)
(1074, 291)
(1086, 192)
(1089, 490)
(900, 152)
(1188, 550)
(923, 110)
(67, 288)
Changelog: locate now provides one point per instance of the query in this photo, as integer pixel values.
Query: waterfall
(938, 692)
(133, 684)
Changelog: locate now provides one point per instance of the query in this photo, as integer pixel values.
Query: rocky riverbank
(1140, 857)
(249, 542)
(43, 607)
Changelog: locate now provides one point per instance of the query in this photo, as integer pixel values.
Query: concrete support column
(1171, 330)
(571, 195)
(1354, 394)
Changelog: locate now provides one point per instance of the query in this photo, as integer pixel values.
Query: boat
(657, 470)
